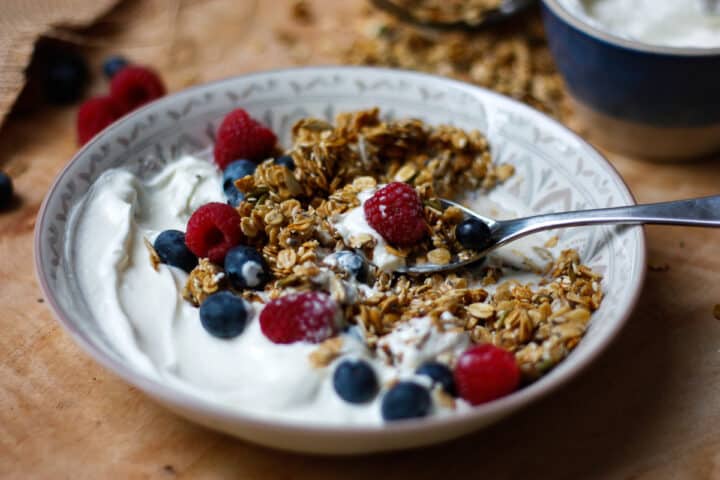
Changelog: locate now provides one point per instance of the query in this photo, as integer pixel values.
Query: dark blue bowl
(648, 100)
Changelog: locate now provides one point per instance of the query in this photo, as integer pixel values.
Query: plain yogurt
(675, 23)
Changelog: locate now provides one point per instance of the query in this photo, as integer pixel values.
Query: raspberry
(307, 316)
(134, 86)
(486, 372)
(94, 115)
(241, 136)
(396, 213)
(212, 230)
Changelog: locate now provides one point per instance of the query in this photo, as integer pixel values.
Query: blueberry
(170, 247)
(234, 171)
(406, 400)
(355, 381)
(223, 315)
(439, 373)
(113, 65)
(473, 234)
(286, 161)
(65, 78)
(6, 190)
(234, 196)
(353, 263)
(246, 268)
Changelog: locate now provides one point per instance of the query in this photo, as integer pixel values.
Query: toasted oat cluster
(288, 215)
(293, 210)
(472, 12)
(512, 59)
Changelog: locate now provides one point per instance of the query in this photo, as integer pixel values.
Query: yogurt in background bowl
(671, 23)
(644, 75)
(555, 170)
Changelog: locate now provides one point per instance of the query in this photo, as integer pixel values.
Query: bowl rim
(189, 402)
(560, 11)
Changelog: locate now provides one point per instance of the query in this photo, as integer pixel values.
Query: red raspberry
(308, 316)
(396, 213)
(94, 115)
(134, 86)
(212, 230)
(486, 372)
(242, 137)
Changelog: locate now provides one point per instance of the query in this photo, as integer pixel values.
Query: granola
(289, 216)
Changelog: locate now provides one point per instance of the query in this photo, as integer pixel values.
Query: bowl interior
(555, 171)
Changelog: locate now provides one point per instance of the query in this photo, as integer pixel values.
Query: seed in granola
(439, 256)
(716, 311)
(481, 310)
(364, 183)
(286, 258)
(274, 218)
(361, 240)
(406, 173)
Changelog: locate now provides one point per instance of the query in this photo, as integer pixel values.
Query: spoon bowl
(695, 212)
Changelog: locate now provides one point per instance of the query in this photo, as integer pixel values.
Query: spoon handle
(696, 212)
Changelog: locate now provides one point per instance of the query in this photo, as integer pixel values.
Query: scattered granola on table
(512, 58)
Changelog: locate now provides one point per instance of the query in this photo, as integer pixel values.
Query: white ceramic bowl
(556, 170)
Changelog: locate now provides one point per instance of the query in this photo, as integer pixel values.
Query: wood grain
(648, 409)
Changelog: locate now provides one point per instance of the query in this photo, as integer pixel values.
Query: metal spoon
(696, 212)
(506, 10)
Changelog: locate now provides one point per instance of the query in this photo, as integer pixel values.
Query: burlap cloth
(23, 22)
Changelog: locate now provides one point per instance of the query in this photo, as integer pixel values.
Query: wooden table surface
(648, 409)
